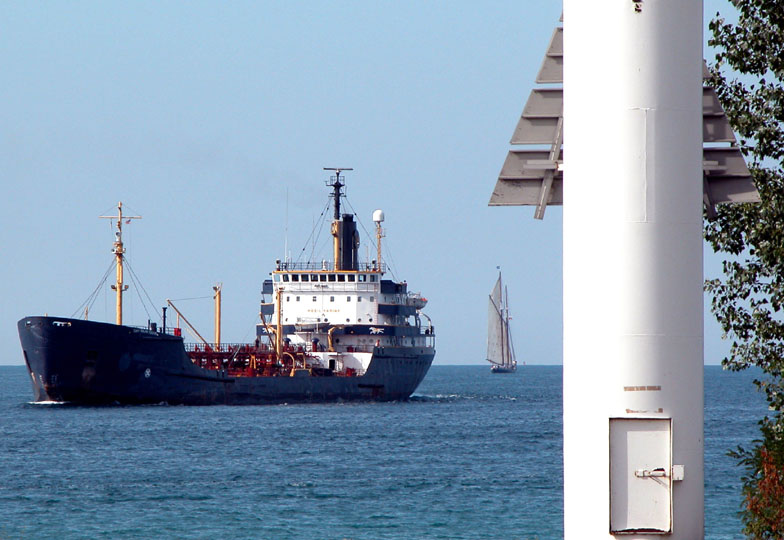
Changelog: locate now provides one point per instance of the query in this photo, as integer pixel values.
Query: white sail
(496, 329)
(500, 351)
(509, 354)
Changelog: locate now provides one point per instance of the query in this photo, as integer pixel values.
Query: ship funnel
(346, 243)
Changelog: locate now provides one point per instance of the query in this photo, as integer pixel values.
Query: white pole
(633, 358)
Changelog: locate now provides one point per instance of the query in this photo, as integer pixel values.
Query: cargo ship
(328, 331)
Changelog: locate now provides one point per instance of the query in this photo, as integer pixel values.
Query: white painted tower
(632, 243)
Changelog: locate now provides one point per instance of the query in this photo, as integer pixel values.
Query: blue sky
(213, 121)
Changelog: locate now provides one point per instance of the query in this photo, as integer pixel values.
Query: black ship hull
(87, 362)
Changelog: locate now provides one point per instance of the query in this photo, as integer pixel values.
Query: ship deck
(251, 360)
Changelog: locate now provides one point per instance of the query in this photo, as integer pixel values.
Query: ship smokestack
(346, 243)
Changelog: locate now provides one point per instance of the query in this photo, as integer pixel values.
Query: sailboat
(500, 351)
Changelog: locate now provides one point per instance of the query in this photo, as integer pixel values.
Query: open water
(471, 455)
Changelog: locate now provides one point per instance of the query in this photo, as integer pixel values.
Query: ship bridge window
(314, 277)
(323, 277)
(373, 278)
(351, 277)
(285, 277)
(341, 277)
(331, 277)
(362, 277)
(305, 277)
(294, 277)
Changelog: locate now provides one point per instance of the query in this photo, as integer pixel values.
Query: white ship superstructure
(343, 312)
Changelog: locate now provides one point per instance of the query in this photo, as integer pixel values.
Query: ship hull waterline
(88, 362)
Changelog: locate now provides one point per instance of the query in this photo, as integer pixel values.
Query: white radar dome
(378, 216)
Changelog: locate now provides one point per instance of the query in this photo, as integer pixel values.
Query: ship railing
(392, 341)
(153, 327)
(339, 286)
(327, 266)
(406, 341)
(226, 347)
(245, 348)
(158, 329)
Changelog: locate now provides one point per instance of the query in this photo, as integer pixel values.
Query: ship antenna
(119, 250)
(345, 240)
(336, 185)
(378, 218)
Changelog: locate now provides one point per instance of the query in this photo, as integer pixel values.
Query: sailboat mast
(503, 320)
(508, 356)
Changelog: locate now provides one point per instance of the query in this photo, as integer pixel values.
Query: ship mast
(217, 288)
(345, 239)
(378, 218)
(336, 185)
(118, 249)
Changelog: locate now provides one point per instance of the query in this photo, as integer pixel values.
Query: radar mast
(344, 228)
(119, 250)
